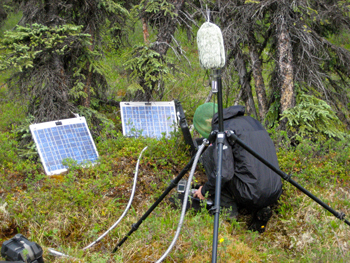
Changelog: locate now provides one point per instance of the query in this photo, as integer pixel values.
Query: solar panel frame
(63, 139)
(149, 119)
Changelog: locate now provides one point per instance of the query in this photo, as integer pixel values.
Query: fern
(313, 117)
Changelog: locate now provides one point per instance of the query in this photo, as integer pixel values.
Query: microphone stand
(217, 88)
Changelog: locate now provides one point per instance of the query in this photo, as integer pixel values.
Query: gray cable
(184, 205)
(127, 207)
(56, 253)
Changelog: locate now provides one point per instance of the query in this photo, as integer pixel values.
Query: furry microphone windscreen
(211, 49)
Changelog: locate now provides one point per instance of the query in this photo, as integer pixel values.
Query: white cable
(57, 253)
(184, 205)
(127, 207)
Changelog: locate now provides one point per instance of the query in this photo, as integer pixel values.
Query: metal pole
(220, 138)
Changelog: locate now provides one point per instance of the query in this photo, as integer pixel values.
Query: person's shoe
(260, 219)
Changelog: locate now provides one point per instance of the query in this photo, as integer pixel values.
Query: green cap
(202, 118)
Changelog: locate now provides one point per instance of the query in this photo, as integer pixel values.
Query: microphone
(210, 46)
(211, 52)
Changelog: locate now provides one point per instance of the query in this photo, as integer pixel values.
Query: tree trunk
(285, 65)
(165, 35)
(167, 30)
(244, 78)
(145, 31)
(258, 78)
(87, 89)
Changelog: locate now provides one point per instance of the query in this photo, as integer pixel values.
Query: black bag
(20, 249)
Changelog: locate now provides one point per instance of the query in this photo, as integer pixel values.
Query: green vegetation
(66, 212)
(313, 117)
(69, 211)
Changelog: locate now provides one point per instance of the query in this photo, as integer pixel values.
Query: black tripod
(232, 138)
(220, 136)
(217, 87)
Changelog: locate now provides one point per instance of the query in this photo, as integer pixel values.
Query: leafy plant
(8, 150)
(96, 120)
(313, 117)
(26, 43)
(12, 111)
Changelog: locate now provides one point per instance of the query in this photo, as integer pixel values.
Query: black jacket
(254, 184)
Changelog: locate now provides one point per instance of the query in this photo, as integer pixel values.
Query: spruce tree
(290, 41)
(55, 53)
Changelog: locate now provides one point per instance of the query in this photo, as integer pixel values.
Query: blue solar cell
(148, 119)
(57, 141)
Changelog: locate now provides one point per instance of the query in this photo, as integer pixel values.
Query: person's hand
(198, 194)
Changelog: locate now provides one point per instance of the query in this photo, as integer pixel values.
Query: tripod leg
(217, 196)
(233, 138)
(149, 211)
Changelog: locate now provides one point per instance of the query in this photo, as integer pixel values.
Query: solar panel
(60, 140)
(149, 119)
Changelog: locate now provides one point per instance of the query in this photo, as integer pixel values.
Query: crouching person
(246, 182)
